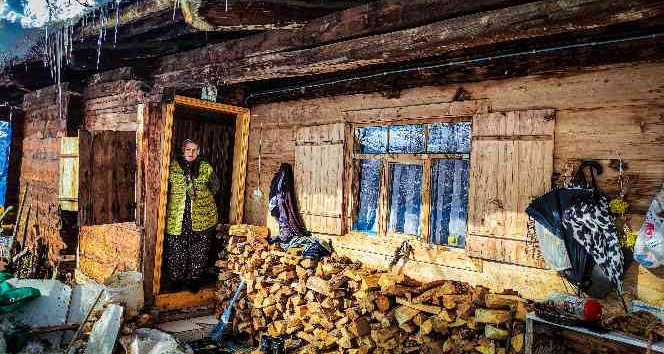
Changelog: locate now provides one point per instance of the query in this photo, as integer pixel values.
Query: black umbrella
(547, 210)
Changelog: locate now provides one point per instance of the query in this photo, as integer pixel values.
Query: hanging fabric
(283, 207)
(5, 144)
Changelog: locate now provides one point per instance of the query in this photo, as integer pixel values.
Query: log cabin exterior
(543, 85)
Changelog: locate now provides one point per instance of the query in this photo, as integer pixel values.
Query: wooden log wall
(110, 143)
(42, 130)
(113, 105)
(103, 247)
(601, 113)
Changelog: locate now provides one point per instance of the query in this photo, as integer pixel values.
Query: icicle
(226, 5)
(117, 20)
(104, 23)
(99, 47)
(175, 6)
(58, 59)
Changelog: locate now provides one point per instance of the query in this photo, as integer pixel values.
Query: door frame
(242, 118)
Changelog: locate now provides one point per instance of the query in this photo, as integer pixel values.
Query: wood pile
(336, 306)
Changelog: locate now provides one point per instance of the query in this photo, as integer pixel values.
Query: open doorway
(205, 148)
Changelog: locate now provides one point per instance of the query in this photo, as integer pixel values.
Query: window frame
(387, 159)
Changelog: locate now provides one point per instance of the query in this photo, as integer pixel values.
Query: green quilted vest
(203, 207)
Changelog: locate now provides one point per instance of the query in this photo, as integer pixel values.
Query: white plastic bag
(152, 341)
(649, 247)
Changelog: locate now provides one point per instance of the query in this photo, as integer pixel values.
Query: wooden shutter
(511, 163)
(68, 189)
(107, 177)
(319, 170)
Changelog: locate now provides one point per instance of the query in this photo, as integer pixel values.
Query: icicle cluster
(58, 42)
(59, 38)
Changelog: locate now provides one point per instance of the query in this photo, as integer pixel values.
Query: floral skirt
(187, 254)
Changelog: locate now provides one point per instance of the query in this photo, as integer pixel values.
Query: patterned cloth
(187, 253)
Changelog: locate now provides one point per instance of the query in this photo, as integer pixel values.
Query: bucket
(126, 288)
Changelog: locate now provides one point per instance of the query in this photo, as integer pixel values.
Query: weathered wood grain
(519, 22)
(319, 171)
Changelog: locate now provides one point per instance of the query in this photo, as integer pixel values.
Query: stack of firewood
(336, 305)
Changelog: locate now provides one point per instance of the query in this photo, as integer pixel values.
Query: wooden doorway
(233, 204)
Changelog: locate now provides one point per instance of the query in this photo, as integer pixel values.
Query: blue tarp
(5, 143)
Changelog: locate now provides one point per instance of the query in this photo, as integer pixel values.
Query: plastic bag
(649, 247)
(152, 341)
(552, 248)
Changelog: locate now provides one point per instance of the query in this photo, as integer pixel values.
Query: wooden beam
(521, 22)
(213, 15)
(552, 63)
(372, 18)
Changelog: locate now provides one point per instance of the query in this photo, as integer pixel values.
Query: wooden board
(107, 177)
(68, 191)
(511, 164)
(319, 176)
(103, 247)
(184, 299)
(521, 22)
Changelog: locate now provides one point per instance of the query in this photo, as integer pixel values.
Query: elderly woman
(191, 217)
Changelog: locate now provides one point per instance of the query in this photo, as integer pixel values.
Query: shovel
(218, 331)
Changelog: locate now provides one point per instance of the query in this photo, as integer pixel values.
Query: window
(412, 180)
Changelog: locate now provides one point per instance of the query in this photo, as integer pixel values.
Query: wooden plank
(319, 177)
(141, 111)
(239, 164)
(105, 247)
(68, 192)
(519, 22)
(184, 299)
(85, 178)
(506, 174)
(164, 155)
(375, 17)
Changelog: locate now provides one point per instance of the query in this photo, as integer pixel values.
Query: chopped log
(496, 333)
(404, 314)
(492, 316)
(517, 343)
(424, 308)
(308, 263)
(383, 303)
(249, 231)
(360, 327)
(323, 287)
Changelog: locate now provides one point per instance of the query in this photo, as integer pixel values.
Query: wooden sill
(184, 299)
(424, 252)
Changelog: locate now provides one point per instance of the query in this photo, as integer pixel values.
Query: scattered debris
(105, 331)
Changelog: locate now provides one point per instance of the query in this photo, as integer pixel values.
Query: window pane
(449, 138)
(367, 205)
(449, 199)
(372, 140)
(406, 139)
(405, 198)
